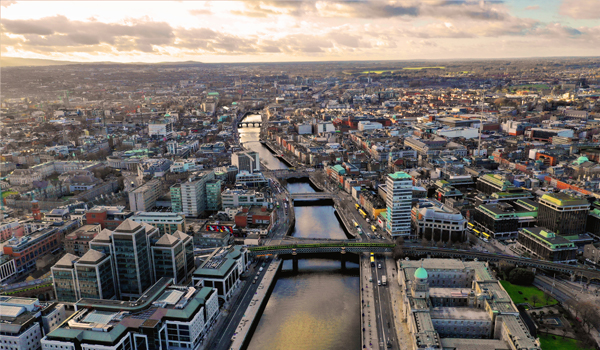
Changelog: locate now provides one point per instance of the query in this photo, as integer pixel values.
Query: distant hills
(36, 62)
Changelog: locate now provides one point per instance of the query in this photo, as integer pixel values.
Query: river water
(249, 138)
(318, 307)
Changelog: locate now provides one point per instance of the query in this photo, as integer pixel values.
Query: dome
(421, 273)
(582, 159)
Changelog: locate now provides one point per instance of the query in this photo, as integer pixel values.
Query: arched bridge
(588, 274)
(247, 124)
(329, 247)
(312, 195)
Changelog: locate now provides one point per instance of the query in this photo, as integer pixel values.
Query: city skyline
(283, 31)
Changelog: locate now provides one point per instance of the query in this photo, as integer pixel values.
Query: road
(383, 305)
(236, 311)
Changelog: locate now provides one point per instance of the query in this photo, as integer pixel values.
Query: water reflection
(317, 308)
(300, 187)
(317, 222)
(249, 137)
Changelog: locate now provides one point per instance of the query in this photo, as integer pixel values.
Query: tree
(535, 299)
(400, 241)
(398, 252)
(521, 277)
(547, 297)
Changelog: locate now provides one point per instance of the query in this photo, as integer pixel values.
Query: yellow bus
(373, 228)
(372, 260)
(361, 212)
(474, 230)
(357, 206)
(470, 225)
(485, 235)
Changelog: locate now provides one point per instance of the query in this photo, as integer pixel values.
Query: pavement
(383, 304)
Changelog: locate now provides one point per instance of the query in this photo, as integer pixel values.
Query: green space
(527, 292)
(419, 68)
(548, 342)
(8, 193)
(532, 86)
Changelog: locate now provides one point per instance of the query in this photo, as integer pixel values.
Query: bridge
(247, 124)
(328, 247)
(355, 247)
(311, 195)
(288, 174)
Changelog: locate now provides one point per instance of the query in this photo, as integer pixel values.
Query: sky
(297, 30)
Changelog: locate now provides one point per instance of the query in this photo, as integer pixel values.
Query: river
(249, 138)
(318, 307)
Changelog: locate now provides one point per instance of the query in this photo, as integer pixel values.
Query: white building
(366, 125)
(398, 201)
(468, 133)
(193, 193)
(20, 177)
(26, 320)
(162, 127)
(144, 197)
(234, 198)
(246, 161)
(250, 179)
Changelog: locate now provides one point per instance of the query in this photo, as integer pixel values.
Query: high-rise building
(398, 202)
(90, 276)
(213, 195)
(193, 193)
(563, 214)
(246, 161)
(131, 247)
(173, 256)
(176, 205)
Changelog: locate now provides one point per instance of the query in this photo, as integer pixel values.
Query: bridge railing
(322, 245)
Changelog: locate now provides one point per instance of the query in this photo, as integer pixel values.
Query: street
(383, 304)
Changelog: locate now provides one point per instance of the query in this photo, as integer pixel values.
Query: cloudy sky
(298, 30)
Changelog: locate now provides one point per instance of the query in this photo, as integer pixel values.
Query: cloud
(532, 8)
(580, 9)
(204, 12)
(7, 3)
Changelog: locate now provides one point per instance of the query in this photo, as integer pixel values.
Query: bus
(357, 206)
(355, 223)
(383, 280)
(372, 261)
(470, 225)
(364, 215)
(373, 228)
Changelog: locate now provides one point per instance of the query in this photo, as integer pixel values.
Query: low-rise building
(166, 316)
(546, 245)
(166, 222)
(26, 320)
(109, 217)
(25, 250)
(234, 198)
(437, 222)
(78, 241)
(222, 270)
(496, 220)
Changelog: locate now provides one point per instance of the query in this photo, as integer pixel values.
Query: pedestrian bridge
(325, 247)
(312, 195)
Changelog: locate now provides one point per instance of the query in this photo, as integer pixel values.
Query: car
(378, 282)
(379, 266)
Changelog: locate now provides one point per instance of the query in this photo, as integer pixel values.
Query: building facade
(546, 245)
(398, 202)
(563, 214)
(144, 197)
(165, 222)
(246, 161)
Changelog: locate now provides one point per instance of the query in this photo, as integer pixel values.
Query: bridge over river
(350, 246)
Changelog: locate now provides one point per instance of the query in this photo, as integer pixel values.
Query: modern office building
(222, 270)
(398, 202)
(144, 197)
(250, 179)
(563, 214)
(166, 317)
(193, 193)
(246, 161)
(176, 204)
(90, 276)
(78, 241)
(451, 304)
(497, 220)
(235, 198)
(26, 320)
(173, 256)
(490, 183)
(213, 195)
(165, 222)
(131, 247)
(546, 245)
(27, 249)
(437, 222)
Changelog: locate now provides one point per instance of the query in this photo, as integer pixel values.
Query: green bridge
(330, 247)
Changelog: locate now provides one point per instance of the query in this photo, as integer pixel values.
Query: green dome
(582, 159)
(421, 273)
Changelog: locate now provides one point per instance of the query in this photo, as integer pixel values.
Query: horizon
(298, 31)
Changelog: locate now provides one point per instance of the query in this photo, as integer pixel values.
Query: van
(379, 266)
(260, 270)
(378, 282)
(370, 279)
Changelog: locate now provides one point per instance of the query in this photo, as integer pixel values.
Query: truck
(384, 280)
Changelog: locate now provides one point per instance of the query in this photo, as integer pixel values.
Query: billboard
(219, 228)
